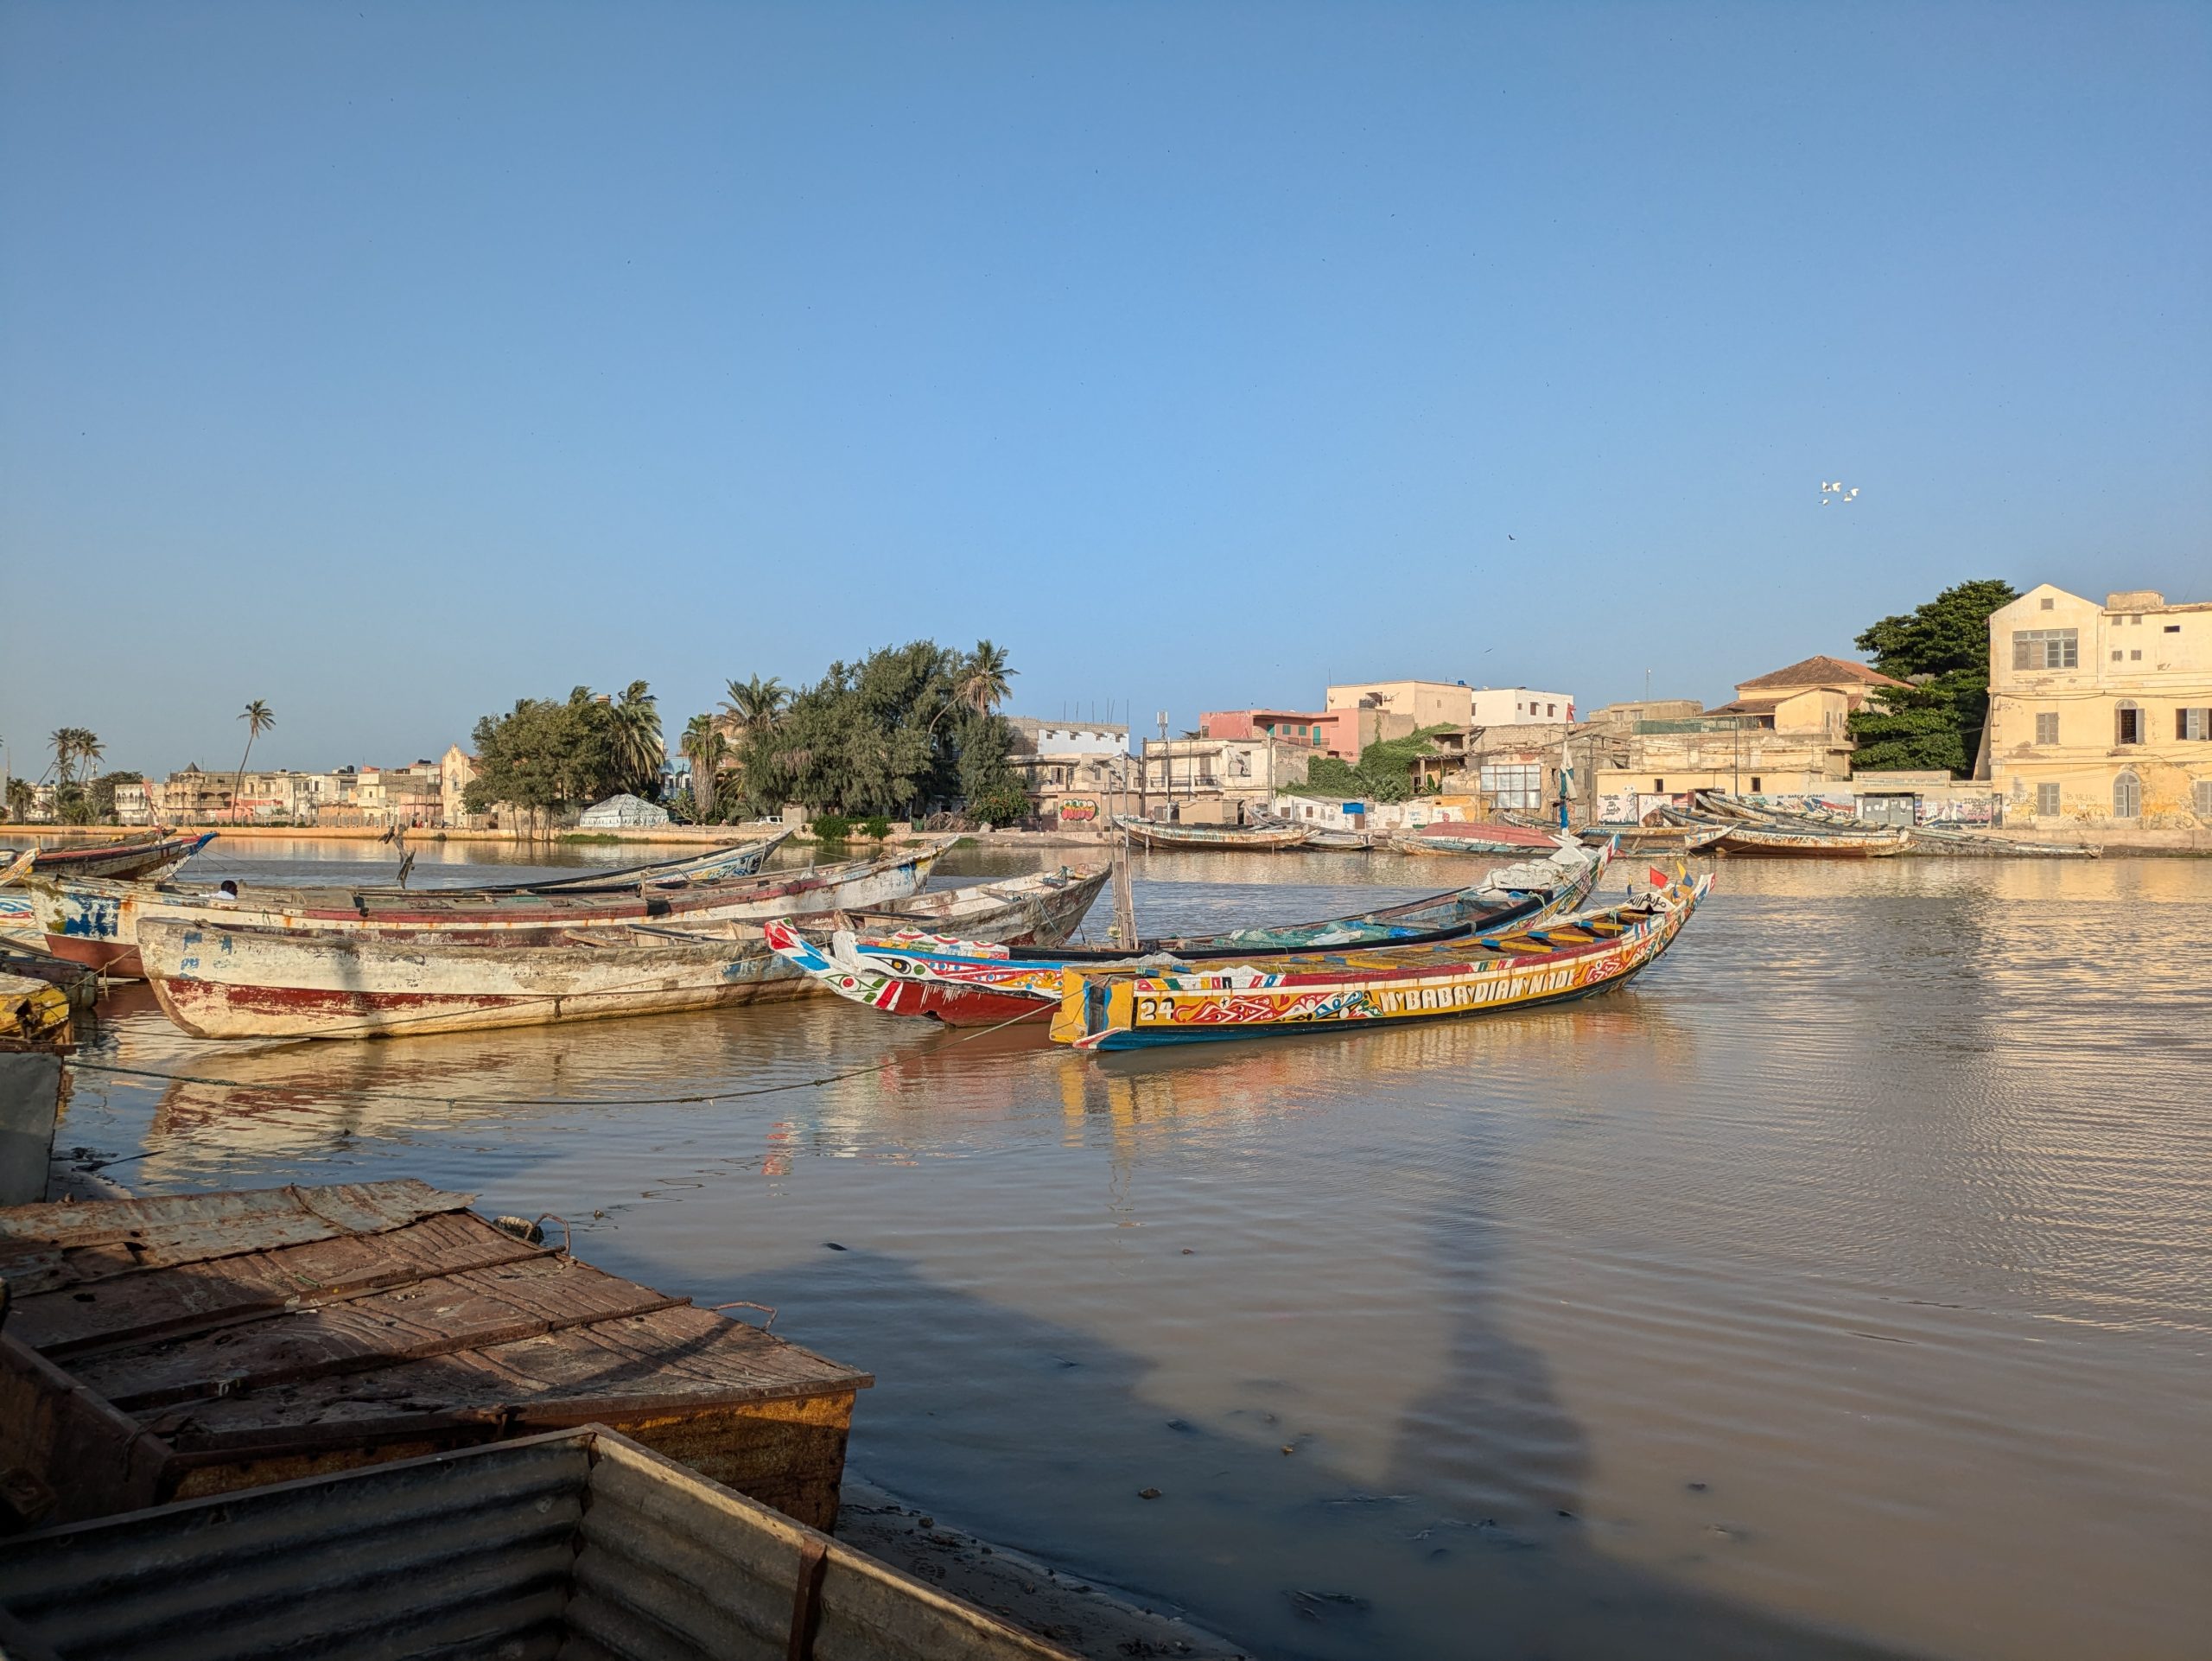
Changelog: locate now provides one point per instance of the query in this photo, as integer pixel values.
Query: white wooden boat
(216, 979)
(1213, 838)
(96, 924)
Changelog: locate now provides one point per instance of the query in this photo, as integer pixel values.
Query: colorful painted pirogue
(215, 979)
(967, 984)
(144, 859)
(1511, 968)
(97, 923)
(1246, 838)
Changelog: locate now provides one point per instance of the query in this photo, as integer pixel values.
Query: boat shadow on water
(1036, 1432)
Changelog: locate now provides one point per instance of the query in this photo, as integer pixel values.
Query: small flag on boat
(1657, 878)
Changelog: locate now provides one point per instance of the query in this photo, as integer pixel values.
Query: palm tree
(64, 753)
(640, 751)
(90, 750)
(706, 747)
(755, 705)
(981, 682)
(258, 721)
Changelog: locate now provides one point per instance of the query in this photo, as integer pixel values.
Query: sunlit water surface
(1842, 1287)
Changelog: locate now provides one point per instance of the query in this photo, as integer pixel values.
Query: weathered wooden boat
(1748, 841)
(1518, 968)
(141, 859)
(1656, 838)
(1339, 841)
(219, 980)
(717, 864)
(1946, 842)
(177, 1346)
(572, 1545)
(967, 984)
(1239, 838)
(96, 923)
(1467, 836)
(78, 984)
(37, 1037)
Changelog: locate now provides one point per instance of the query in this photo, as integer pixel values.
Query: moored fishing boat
(1945, 841)
(967, 984)
(1746, 840)
(1469, 836)
(142, 859)
(1518, 968)
(37, 1037)
(96, 923)
(215, 979)
(1247, 838)
(1657, 838)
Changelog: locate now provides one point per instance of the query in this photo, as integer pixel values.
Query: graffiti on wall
(1077, 811)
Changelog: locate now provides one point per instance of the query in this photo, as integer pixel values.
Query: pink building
(1318, 728)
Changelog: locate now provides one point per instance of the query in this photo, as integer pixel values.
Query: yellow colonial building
(2101, 714)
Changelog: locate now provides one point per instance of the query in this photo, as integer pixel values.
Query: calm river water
(1842, 1287)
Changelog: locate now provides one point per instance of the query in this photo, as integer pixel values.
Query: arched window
(2126, 797)
(2131, 723)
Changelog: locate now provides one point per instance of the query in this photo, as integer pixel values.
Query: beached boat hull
(214, 980)
(1752, 842)
(1572, 958)
(1502, 839)
(960, 984)
(144, 861)
(97, 924)
(1656, 838)
(1214, 838)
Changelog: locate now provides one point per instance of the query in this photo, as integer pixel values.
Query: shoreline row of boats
(227, 961)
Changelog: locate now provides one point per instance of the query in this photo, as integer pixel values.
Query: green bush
(830, 827)
(1001, 804)
(875, 825)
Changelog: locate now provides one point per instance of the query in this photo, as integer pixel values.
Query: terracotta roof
(1822, 671)
(1763, 706)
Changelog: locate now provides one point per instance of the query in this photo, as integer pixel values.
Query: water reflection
(1846, 1280)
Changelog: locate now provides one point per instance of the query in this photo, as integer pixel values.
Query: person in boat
(225, 892)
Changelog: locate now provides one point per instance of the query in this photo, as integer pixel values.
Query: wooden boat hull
(1750, 842)
(214, 980)
(33, 1085)
(96, 924)
(1655, 838)
(1214, 838)
(144, 861)
(1508, 839)
(1363, 991)
(960, 984)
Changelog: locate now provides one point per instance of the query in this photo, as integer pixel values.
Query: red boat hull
(965, 1006)
(109, 957)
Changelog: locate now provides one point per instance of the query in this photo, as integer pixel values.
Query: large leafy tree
(907, 728)
(706, 748)
(548, 757)
(640, 751)
(1941, 648)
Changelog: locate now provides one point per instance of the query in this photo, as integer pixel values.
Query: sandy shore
(1094, 1620)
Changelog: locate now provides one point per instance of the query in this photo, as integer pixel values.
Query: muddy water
(1843, 1287)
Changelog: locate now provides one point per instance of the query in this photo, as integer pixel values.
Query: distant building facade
(1505, 706)
(1078, 773)
(1249, 769)
(2101, 714)
(1409, 704)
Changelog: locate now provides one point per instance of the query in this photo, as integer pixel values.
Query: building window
(2137, 621)
(1658, 787)
(1551, 708)
(2049, 604)
(2126, 797)
(1514, 785)
(1755, 784)
(2047, 729)
(2046, 801)
(2204, 799)
(2116, 654)
(2130, 725)
(2135, 657)
(2193, 724)
(2173, 628)
(2046, 648)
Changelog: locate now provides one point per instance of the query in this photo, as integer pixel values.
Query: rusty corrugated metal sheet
(42, 1247)
(580, 1544)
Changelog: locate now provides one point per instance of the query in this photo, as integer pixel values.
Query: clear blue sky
(391, 362)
